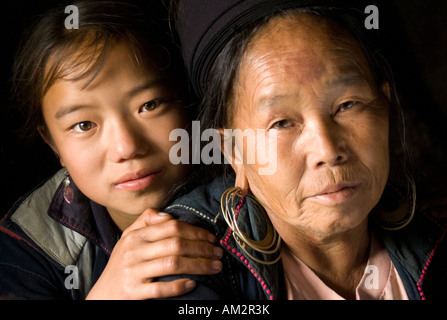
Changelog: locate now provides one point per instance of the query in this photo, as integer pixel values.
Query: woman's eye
(151, 105)
(84, 126)
(347, 105)
(282, 124)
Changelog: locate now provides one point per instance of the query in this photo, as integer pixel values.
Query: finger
(174, 265)
(175, 228)
(147, 218)
(175, 247)
(169, 289)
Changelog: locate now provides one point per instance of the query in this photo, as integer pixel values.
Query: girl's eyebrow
(146, 86)
(67, 110)
(131, 93)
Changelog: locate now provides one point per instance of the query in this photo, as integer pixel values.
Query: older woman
(329, 223)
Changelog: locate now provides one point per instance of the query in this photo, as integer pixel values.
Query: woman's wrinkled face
(113, 134)
(307, 80)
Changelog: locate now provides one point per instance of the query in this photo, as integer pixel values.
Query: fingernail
(211, 238)
(163, 214)
(216, 265)
(189, 285)
(218, 252)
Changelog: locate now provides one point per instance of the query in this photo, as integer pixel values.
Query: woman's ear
(241, 180)
(46, 136)
(234, 157)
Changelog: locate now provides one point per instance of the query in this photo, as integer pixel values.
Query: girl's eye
(84, 126)
(151, 105)
(282, 124)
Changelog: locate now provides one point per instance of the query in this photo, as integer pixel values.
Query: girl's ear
(386, 91)
(46, 136)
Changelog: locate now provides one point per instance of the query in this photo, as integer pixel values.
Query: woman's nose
(126, 141)
(327, 145)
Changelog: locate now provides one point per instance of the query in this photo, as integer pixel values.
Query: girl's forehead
(87, 60)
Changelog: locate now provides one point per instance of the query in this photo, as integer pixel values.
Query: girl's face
(113, 135)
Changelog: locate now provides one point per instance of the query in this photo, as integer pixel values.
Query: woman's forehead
(305, 45)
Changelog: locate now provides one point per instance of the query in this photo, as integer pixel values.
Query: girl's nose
(126, 141)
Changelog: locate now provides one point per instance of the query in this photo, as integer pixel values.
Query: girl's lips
(137, 181)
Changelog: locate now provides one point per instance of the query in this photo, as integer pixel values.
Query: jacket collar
(412, 249)
(85, 217)
(252, 223)
(205, 201)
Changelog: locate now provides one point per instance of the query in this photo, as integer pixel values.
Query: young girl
(105, 97)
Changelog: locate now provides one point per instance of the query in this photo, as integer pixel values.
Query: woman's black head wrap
(205, 26)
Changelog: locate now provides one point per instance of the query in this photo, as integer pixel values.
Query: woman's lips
(336, 193)
(137, 181)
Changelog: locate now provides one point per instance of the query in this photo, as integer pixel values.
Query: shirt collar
(379, 281)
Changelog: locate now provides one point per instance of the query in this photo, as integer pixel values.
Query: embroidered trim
(225, 244)
(195, 211)
(430, 257)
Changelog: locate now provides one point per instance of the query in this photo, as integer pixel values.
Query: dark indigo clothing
(418, 251)
(42, 235)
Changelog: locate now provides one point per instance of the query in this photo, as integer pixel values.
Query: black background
(414, 33)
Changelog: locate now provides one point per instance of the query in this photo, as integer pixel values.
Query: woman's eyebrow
(267, 101)
(347, 79)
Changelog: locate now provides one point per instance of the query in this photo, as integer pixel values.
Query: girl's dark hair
(49, 51)
(216, 107)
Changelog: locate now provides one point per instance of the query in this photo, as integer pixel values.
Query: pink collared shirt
(379, 282)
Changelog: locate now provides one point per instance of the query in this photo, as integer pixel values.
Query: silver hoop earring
(271, 243)
(404, 212)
